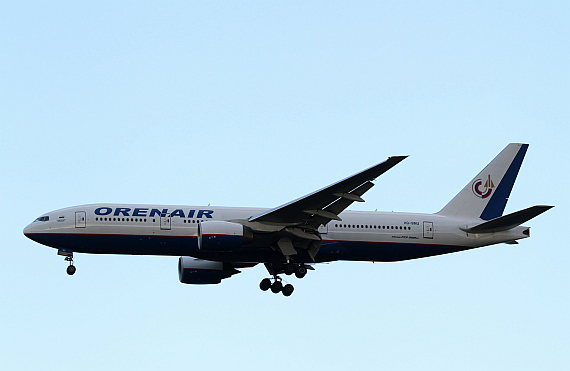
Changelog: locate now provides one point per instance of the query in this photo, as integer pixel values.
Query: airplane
(214, 243)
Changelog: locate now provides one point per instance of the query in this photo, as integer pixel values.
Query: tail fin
(486, 196)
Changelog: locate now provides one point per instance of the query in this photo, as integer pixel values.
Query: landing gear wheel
(276, 287)
(265, 284)
(71, 270)
(289, 268)
(288, 289)
(301, 271)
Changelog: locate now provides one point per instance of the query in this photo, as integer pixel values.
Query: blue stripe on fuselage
(188, 246)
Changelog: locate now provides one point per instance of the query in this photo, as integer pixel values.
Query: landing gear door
(428, 230)
(165, 222)
(80, 219)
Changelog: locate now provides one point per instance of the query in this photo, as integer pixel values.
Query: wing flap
(349, 196)
(323, 214)
(342, 203)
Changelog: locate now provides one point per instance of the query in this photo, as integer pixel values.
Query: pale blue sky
(257, 104)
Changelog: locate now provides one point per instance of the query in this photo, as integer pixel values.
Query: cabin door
(80, 219)
(324, 229)
(428, 230)
(165, 222)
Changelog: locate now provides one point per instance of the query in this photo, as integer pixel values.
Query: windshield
(42, 219)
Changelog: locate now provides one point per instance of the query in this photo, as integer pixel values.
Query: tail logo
(483, 191)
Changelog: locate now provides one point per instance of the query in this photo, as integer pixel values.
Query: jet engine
(197, 271)
(219, 235)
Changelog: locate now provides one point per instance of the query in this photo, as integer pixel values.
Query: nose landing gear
(68, 258)
(71, 268)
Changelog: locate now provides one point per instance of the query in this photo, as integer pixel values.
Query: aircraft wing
(324, 205)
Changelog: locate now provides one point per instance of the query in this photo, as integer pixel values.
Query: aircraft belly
(151, 245)
(381, 251)
(120, 244)
(188, 246)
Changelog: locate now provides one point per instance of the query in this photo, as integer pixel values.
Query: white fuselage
(172, 230)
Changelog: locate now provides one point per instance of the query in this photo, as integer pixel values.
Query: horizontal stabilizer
(506, 222)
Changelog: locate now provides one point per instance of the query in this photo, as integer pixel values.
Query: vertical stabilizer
(486, 196)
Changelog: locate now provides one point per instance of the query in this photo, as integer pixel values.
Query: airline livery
(215, 242)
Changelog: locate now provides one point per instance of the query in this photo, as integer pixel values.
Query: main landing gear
(300, 270)
(68, 258)
(276, 286)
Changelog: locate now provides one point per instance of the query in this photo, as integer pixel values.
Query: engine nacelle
(196, 271)
(217, 235)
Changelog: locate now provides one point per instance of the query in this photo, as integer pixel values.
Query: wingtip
(398, 158)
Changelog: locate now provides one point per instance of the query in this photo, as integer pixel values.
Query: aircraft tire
(289, 269)
(300, 272)
(288, 289)
(71, 270)
(265, 284)
(276, 287)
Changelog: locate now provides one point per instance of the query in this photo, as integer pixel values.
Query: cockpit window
(42, 219)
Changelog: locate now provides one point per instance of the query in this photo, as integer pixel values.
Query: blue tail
(486, 196)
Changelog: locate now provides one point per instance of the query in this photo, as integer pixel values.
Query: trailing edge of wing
(508, 221)
(295, 212)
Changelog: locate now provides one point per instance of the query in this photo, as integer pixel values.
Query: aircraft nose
(28, 230)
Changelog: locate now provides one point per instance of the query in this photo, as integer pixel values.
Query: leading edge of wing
(294, 212)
